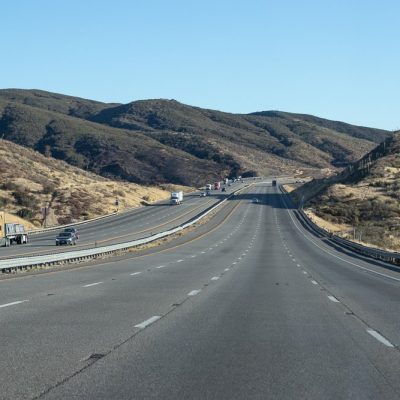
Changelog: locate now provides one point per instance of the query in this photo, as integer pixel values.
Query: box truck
(176, 197)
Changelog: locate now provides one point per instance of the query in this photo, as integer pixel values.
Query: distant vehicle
(226, 181)
(217, 185)
(73, 230)
(223, 189)
(66, 238)
(274, 182)
(13, 233)
(176, 197)
(255, 200)
(208, 186)
(203, 194)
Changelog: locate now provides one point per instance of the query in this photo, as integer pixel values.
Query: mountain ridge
(158, 141)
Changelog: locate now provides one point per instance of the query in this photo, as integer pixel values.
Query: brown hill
(110, 152)
(166, 141)
(30, 181)
(364, 200)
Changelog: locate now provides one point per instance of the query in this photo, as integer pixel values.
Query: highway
(123, 227)
(250, 305)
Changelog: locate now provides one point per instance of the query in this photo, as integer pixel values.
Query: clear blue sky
(336, 59)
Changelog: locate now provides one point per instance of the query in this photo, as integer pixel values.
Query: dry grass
(289, 188)
(29, 180)
(328, 226)
(368, 202)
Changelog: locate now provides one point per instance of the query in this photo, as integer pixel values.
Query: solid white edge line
(13, 303)
(379, 337)
(148, 322)
(194, 292)
(92, 284)
(334, 255)
(334, 299)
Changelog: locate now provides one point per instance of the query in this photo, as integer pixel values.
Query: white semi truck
(176, 197)
(12, 233)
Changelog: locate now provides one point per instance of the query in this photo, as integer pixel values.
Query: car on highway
(203, 194)
(66, 238)
(223, 189)
(254, 200)
(73, 230)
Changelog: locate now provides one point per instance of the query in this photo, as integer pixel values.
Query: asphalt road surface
(254, 307)
(125, 226)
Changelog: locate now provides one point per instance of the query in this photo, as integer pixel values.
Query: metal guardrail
(75, 256)
(379, 254)
(126, 210)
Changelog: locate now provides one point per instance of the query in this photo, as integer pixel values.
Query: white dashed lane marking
(147, 322)
(334, 299)
(379, 337)
(92, 284)
(194, 292)
(215, 278)
(14, 303)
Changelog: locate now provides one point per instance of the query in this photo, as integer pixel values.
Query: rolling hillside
(155, 141)
(362, 202)
(30, 181)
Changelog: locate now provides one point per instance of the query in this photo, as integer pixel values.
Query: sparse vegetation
(364, 198)
(72, 194)
(163, 141)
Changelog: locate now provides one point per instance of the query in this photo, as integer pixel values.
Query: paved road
(255, 308)
(125, 226)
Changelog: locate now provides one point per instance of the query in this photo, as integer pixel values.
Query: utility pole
(45, 212)
(2, 224)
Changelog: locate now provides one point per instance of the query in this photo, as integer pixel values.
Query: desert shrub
(25, 213)
(4, 201)
(49, 188)
(67, 219)
(25, 200)
(119, 193)
(10, 186)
